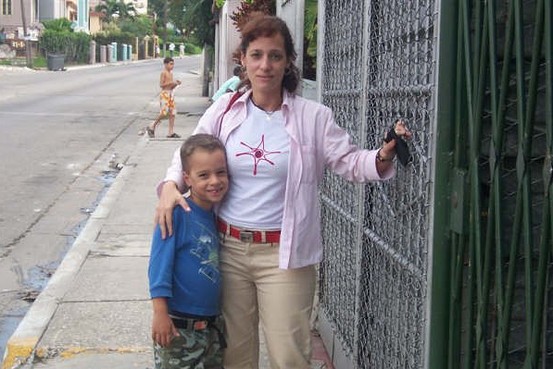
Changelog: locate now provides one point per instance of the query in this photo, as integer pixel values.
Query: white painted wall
(227, 39)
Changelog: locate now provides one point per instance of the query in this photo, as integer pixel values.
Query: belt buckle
(246, 236)
(200, 325)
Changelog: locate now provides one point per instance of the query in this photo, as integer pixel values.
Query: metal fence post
(92, 57)
(103, 53)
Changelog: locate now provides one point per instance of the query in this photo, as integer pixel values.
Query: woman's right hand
(169, 198)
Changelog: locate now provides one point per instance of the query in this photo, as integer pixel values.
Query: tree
(140, 26)
(158, 9)
(116, 9)
(126, 10)
(193, 18)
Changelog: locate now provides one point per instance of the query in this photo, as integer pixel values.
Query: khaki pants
(255, 290)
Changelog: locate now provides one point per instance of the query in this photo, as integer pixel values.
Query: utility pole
(154, 26)
(28, 58)
(165, 20)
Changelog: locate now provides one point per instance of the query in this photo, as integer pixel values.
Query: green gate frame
(491, 262)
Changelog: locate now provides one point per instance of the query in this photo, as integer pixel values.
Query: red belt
(246, 235)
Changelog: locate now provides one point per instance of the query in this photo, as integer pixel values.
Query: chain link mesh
(378, 60)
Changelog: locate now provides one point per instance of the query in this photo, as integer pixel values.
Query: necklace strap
(269, 112)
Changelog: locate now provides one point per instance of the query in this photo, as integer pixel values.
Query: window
(6, 7)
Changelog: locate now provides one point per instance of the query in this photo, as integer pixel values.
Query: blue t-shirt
(184, 268)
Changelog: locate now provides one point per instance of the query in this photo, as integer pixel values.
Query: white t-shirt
(257, 155)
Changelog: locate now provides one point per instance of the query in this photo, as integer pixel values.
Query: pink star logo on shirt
(258, 153)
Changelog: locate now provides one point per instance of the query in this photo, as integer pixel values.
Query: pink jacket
(316, 142)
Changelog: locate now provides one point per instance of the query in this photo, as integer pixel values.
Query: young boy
(166, 99)
(184, 268)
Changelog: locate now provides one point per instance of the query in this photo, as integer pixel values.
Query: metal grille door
(378, 60)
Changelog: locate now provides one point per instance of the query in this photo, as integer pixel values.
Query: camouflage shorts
(193, 349)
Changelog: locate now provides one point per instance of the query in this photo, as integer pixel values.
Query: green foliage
(139, 27)
(116, 10)
(58, 25)
(157, 7)
(310, 20)
(192, 19)
(106, 38)
(310, 40)
(39, 62)
(219, 3)
(197, 19)
(192, 49)
(110, 28)
(74, 45)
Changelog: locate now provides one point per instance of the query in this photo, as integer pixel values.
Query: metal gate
(449, 264)
(378, 65)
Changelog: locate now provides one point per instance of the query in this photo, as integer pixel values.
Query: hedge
(74, 45)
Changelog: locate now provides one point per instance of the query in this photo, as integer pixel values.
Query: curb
(67, 68)
(23, 342)
(106, 64)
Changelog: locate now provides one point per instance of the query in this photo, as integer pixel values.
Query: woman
(278, 145)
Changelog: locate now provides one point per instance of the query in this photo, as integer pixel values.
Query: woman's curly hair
(267, 26)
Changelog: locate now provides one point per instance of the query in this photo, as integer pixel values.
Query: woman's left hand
(388, 149)
(402, 130)
(387, 152)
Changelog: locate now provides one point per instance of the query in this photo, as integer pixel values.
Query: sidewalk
(95, 311)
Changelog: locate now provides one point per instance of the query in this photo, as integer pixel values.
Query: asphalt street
(63, 135)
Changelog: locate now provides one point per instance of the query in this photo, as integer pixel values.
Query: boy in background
(184, 268)
(166, 99)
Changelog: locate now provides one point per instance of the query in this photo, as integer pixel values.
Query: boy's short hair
(199, 141)
(168, 60)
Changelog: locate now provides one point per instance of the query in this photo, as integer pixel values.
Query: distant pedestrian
(184, 268)
(172, 48)
(230, 84)
(166, 99)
